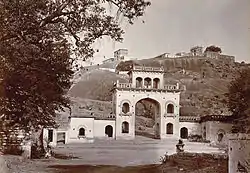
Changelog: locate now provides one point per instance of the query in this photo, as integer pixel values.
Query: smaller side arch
(184, 133)
(82, 132)
(170, 107)
(156, 83)
(125, 106)
(109, 131)
(169, 128)
(147, 82)
(125, 101)
(125, 127)
(138, 82)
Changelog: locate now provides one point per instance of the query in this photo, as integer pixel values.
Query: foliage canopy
(213, 49)
(239, 100)
(37, 41)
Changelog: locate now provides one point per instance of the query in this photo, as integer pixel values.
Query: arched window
(109, 130)
(125, 108)
(184, 133)
(81, 132)
(156, 83)
(147, 82)
(125, 127)
(220, 135)
(138, 82)
(170, 128)
(170, 108)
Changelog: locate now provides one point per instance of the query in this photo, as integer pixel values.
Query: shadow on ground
(185, 162)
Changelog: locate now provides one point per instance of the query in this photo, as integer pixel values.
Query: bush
(13, 150)
(195, 138)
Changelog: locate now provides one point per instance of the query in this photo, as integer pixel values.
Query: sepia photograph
(124, 86)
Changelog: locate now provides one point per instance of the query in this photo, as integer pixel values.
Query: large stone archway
(146, 83)
(148, 118)
(164, 116)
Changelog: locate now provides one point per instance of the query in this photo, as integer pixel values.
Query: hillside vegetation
(206, 82)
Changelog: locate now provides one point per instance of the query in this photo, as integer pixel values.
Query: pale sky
(176, 25)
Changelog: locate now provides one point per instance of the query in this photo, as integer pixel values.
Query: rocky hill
(95, 84)
(206, 82)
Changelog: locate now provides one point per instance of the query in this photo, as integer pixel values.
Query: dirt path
(141, 151)
(141, 155)
(185, 162)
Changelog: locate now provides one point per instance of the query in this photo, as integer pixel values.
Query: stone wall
(194, 128)
(239, 153)
(212, 129)
(215, 55)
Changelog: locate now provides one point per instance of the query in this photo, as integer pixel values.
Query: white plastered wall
(132, 97)
(99, 128)
(75, 125)
(194, 128)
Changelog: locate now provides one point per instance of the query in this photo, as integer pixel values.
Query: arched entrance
(184, 133)
(109, 131)
(147, 118)
(125, 127)
(156, 83)
(81, 132)
(170, 128)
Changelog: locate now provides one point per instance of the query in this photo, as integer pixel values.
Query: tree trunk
(37, 144)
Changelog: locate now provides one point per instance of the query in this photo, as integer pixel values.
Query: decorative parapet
(168, 115)
(189, 119)
(150, 69)
(223, 118)
(165, 87)
(171, 87)
(124, 85)
(125, 114)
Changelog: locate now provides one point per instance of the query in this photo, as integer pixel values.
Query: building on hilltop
(217, 55)
(196, 51)
(110, 60)
(182, 54)
(164, 55)
(120, 54)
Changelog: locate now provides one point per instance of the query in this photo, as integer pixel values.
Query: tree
(37, 41)
(239, 100)
(213, 49)
(126, 65)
